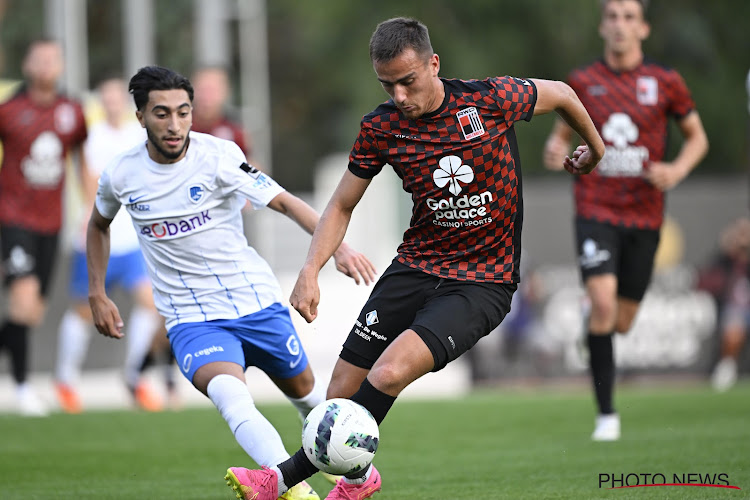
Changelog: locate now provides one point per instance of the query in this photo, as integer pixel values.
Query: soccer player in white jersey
(116, 133)
(222, 303)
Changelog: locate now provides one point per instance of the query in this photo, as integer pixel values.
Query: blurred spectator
(726, 278)
(38, 127)
(117, 132)
(210, 115)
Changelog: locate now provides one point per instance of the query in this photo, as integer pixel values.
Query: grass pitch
(489, 445)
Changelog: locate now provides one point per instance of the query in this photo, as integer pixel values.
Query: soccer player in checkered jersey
(619, 209)
(184, 192)
(452, 142)
(39, 126)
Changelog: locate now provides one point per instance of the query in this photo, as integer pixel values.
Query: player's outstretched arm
(106, 315)
(348, 261)
(559, 97)
(326, 240)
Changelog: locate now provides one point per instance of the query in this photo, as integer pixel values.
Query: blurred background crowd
(289, 81)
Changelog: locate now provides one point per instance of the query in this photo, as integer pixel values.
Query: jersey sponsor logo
(43, 167)
(622, 158)
(132, 199)
(196, 192)
(175, 227)
(371, 318)
(452, 172)
(647, 90)
(458, 211)
(522, 81)
(596, 90)
(591, 255)
(471, 123)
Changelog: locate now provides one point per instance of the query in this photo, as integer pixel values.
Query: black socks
(602, 363)
(15, 338)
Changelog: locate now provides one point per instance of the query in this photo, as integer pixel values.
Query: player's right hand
(306, 295)
(106, 316)
(582, 161)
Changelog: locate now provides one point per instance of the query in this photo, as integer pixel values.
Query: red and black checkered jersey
(36, 140)
(631, 110)
(461, 166)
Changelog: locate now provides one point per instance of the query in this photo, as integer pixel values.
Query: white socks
(72, 343)
(313, 399)
(252, 431)
(141, 326)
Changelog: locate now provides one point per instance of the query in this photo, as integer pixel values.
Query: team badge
(65, 118)
(371, 318)
(196, 192)
(647, 90)
(471, 123)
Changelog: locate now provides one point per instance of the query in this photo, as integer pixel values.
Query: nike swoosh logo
(133, 200)
(292, 364)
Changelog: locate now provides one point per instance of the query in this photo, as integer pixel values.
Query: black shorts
(449, 315)
(627, 253)
(28, 253)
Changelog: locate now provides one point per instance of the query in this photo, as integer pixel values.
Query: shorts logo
(195, 193)
(371, 318)
(19, 261)
(292, 345)
(453, 344)
(186, 362)
(592, 255)
(452, 172)
(471, 123)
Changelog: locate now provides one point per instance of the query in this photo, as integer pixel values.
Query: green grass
(490, 445)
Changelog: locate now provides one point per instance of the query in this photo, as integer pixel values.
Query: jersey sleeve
(364, 160)
(680, 101)
(81, 132)
(106, 201)
(516, 97)
(235, 176)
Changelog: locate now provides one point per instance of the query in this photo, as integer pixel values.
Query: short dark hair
(644, 4)
(395, 35)
(156, 78)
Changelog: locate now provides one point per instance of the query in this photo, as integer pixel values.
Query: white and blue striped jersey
(188, 219)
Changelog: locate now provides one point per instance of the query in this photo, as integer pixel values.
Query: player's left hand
(582, 161)
(664, 176)
(354, 264)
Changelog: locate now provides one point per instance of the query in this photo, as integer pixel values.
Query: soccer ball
(340, 436)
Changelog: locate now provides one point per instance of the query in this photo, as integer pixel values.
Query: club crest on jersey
(471, 123)
(647, 90)
(196, 192)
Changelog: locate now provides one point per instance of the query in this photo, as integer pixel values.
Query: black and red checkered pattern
(631, 110)
(468, 212)
(36, 140)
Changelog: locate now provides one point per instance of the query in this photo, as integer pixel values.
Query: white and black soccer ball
(340, 436)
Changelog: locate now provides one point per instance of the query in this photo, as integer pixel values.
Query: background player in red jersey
(211, 84)
(619, 209)
(452, 142)
(38, 128)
